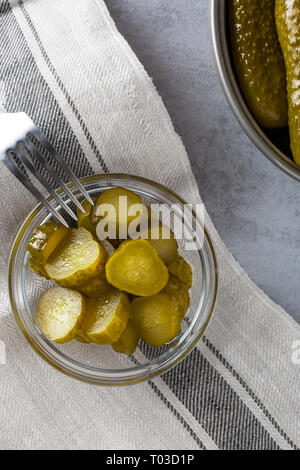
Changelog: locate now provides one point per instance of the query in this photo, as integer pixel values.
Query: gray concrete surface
(255, 207)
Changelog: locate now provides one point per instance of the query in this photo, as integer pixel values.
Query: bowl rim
(234, 96)
(39, 207)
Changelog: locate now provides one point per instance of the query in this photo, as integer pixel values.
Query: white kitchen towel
(65, 64)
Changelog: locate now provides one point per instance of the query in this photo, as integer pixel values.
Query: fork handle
(8, 122)
(32, 189)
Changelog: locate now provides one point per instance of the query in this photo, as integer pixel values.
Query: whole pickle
(288, 26)
(258, 60)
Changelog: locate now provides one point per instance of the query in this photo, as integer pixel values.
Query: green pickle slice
(181, 269)
(105, 318)
(78, 258)
(156, 319)
(42, 243)
(178, 291)
(163, 241)
(127, 343)
(59, 312)
(94, 287)
(135, 267)
(112, 196)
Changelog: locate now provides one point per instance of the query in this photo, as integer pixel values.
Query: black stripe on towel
(63, 88)
(249, 391)
(26, 90)
(173, 410)
(177, 415)
(216, 406)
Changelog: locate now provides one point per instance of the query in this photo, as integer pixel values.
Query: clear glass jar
(100, 364)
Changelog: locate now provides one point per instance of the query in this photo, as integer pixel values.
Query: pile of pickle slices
(139, 291)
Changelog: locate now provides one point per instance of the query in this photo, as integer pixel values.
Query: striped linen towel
(65, 64)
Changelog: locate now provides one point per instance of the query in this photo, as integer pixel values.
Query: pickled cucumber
(156, 319)
(83, 220)
(258, 60)
(122, 218)
(43, 242)
(59, 312)
(76, 259)
(94, 287)
(181, 269)
(135, 267)
(165, 247)
(288, 27)
(105, 318)
(178, 291)
(127, 343)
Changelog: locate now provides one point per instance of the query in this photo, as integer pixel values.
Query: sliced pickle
(43, 242)
(163, 240)
(105, 318)
(77, 258)
(156, 319)
(181, 269)
(127, 343)
(122, 218)
(94, 287)
(135, 267)
(59, 312)
(178, 291)
(83, 220)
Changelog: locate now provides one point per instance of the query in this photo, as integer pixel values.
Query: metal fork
(16, 147)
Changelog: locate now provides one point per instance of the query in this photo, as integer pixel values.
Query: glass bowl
(100, 364)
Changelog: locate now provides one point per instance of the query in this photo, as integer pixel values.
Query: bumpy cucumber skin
(258, 60)
(288, 26)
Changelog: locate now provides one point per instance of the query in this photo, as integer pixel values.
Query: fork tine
(25, 160)
(12, 167)
(32, 148)
(41, 137)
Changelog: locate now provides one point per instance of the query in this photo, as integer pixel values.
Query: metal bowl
(273, 143)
